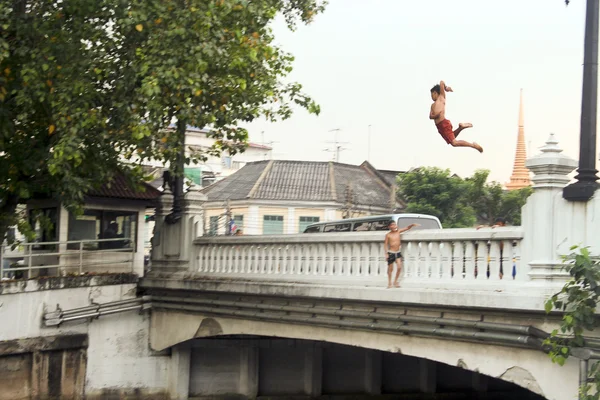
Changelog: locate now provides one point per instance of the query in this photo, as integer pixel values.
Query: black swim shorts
(393, 257)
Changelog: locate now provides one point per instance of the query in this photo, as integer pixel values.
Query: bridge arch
(528, 369)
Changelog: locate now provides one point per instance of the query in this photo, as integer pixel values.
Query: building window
(239, 221)
(226, 160)
(194, 175)
(306, 221)
(238, 164)
(213, 225)
(103, 224)
(273, 225)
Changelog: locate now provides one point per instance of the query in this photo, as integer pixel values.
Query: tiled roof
(303, 181)
(236, 186)
(120, 188)
(296, 180)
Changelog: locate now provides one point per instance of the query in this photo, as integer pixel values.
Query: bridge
(310, 316)
(469, 313)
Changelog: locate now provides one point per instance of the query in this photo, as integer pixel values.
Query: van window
(343, 227)
(361, 226)
(380, 224)
(425, 223)
(313, 229)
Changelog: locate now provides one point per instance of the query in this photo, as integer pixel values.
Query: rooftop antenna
(369, 145)
(337, 146)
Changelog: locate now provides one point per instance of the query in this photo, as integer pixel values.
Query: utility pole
(586, 184)
(348, 202)
(227, 217)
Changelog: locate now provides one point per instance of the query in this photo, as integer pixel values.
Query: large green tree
(459, 202)
(490, 200)
(88, 86)
(436, 191)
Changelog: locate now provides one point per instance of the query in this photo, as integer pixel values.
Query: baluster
(426, 253)
(201, 255)
(470, 260)
(310, 258)
(323, 263)
(330, 259)
(284, 259)
(281, 256)
(270, 255)
(249, 255)
(295, 268)
(374, 252)
(212, 258)
(337, 259)
(346, 259)
(410, 260)
(516, 272)
(275, 258)
(404, 248)
(353, 259)
(420, 270)
(218, 259)
(225, 266)
(458, 260)
(435, 261)
(495, 260)
(242, 259)
(261, 260)
(506, 249)
(481, 261)
(446, 261)
(317, 259)
(361, 258)
(232, 259)
(305, 259)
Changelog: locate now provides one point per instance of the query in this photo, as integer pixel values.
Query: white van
(375, 223)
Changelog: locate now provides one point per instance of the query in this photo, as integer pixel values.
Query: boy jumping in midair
(438, 115)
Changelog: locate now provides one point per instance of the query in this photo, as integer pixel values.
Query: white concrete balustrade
(359, 258)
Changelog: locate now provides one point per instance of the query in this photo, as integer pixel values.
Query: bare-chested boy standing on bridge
(438, 114)
(391, 247)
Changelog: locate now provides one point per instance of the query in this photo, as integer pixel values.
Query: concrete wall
(50, 367)
(118, 357)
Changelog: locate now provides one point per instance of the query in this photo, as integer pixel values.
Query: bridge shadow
(246, 366)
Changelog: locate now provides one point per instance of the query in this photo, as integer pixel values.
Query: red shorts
(445, 129)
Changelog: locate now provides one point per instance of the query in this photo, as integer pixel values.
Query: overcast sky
(372, 62)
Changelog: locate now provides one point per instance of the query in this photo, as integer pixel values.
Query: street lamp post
(586, 184)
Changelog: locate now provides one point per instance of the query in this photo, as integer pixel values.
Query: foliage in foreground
(577, 301)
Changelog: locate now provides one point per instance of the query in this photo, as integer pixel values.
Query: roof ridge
(367, 166)
(332, 181)
(260, 179)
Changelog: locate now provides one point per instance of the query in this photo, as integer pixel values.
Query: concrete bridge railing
(434, 256)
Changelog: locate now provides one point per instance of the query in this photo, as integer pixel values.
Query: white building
(215, 168)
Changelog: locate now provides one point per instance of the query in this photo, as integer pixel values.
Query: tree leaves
(577, 300)
(83, 94)
(460, 202)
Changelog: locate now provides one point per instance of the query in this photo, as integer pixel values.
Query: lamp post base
(580, 191)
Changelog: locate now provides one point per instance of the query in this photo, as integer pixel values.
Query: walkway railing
(449, 255)
(29, 260)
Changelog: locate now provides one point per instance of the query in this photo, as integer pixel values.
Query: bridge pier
(179, 371)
